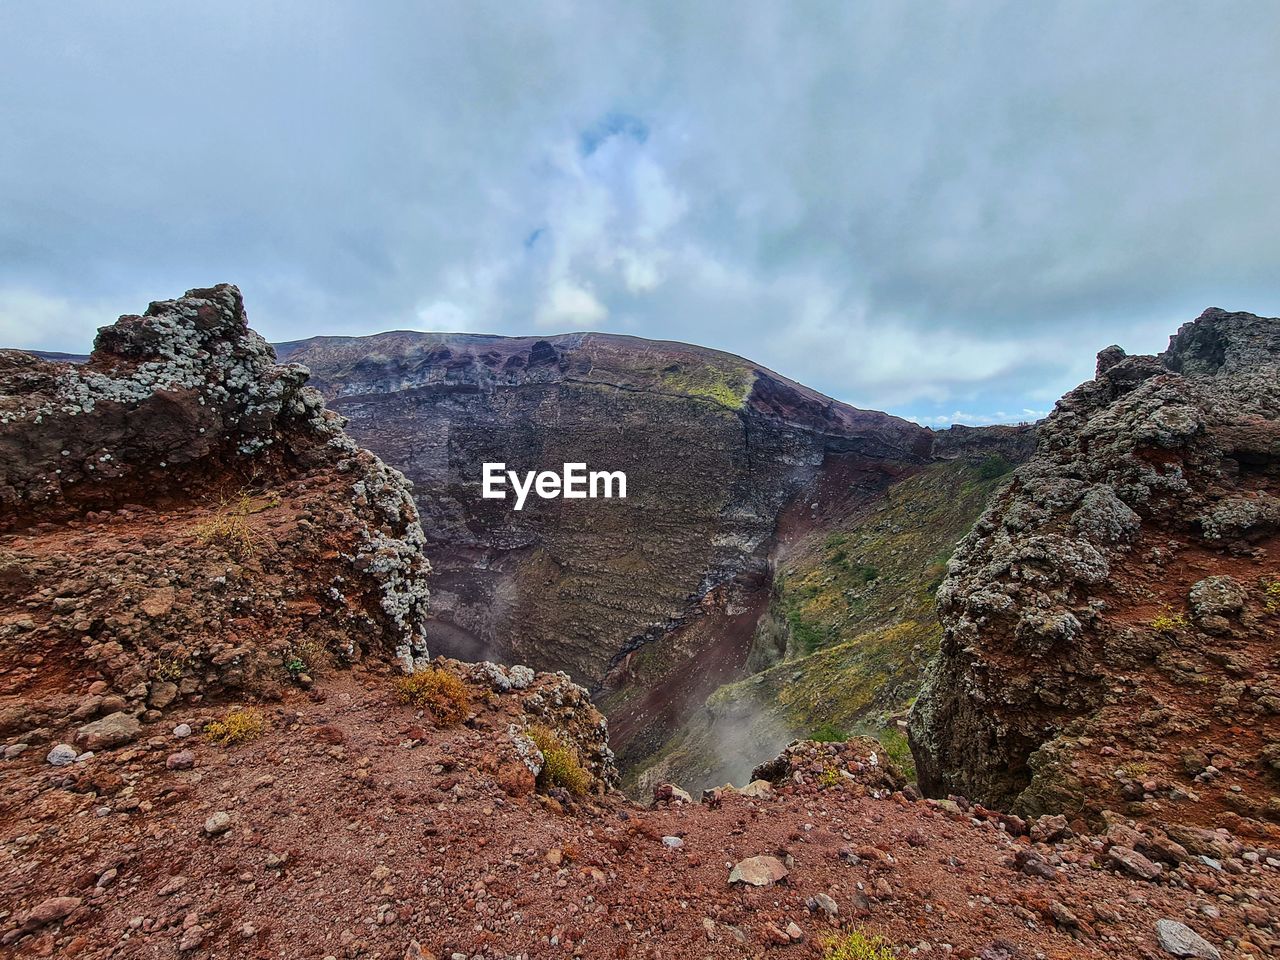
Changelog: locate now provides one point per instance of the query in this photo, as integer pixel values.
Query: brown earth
(356, 827)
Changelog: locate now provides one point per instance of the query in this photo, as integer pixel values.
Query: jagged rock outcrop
(1110, 623)
(184, 518)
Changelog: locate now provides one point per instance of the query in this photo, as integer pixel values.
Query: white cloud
(571, 307)
(33, 320)
(858, 199)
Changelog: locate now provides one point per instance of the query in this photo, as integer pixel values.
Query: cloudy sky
(942, 210)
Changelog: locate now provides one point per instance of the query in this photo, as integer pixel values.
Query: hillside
(656, 601)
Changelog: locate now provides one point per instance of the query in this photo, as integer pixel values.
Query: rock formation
(184, 518)
(1110, 623)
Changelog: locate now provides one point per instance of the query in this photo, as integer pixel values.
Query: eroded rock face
(184, 518)
(712, 446)
(657, 600)
(1115, 606)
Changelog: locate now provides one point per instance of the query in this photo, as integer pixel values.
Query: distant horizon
(958, 419)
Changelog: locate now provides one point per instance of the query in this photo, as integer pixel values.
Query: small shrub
(230, 528)
(1271, 595)
(560, 764)
(304, 656)
(828, 733)
(898, 750)
(994, 466)
(1168, 621)
(858, 946)
(236, 726)
(830, 777)
(1136, 770)
(170, 669)
(437, 691)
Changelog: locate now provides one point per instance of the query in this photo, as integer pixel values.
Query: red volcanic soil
(356, 830)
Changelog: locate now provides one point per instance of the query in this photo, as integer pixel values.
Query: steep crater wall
(654, 601)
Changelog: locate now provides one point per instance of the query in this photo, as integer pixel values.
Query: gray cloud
(943, 212)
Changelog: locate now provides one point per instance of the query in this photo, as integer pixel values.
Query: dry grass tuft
(437, 691)
(857, 946)
(230, 529)
(560, 764)
(236, 726)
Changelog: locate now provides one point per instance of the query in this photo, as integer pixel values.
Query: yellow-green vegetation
(858, 946)
(230, 528)
(236, 726)
(438, 692)
(830, 777)
(856, 603)
(560, 764)
(170, 668)
(827, 733)
(1168, 621)
(898, 750)
(304, 655)
(1271, 595)
(883, 565)
(727, 385)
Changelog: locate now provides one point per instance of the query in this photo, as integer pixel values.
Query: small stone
(15, 750)
(1220, 596)
(757, 789)
(1134, 862)
(1062, 915)
(163, 693)
(182, 731)
(52, 910)
(113, 730)
(1049, 828)
(821, 903)
(192, 937)
(182, 760)
(218, 823)
(62, 755)
(794, 932)
(758, 871)
(672, 843)
(1181, 941)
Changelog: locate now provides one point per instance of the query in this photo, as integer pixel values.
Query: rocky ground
(353, 827)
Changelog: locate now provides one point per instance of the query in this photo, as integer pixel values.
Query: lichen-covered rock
(550, 700)
(1217, 596)
(1063, 681)
(180, 517)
